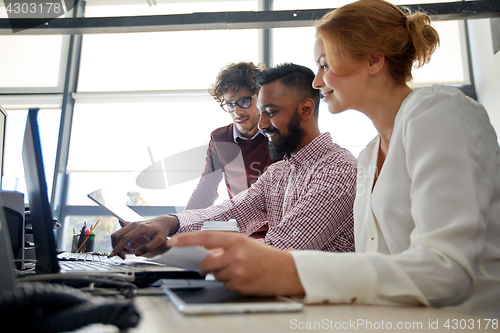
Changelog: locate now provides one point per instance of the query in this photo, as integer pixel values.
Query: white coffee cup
(221, 225)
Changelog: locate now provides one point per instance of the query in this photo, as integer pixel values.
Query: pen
(92, 230)
(82, 235)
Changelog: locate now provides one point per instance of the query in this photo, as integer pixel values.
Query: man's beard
(286, 145)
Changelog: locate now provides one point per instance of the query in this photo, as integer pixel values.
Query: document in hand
(188, 257)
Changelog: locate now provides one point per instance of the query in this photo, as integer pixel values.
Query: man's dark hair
(233, 77)
(292, 77)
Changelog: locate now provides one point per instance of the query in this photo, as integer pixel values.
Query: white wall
(486, 68)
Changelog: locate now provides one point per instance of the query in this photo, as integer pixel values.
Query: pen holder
(88, 246)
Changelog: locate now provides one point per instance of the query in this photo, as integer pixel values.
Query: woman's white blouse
(428, 232)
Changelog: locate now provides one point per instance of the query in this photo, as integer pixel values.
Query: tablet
(115, 207)
(216, 299)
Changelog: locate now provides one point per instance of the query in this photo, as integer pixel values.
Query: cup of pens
(84, 241)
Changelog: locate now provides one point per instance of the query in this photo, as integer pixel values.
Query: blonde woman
(427, 209)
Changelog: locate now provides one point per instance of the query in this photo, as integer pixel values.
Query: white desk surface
(159, 315)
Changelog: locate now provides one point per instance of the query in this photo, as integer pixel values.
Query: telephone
(44, 307)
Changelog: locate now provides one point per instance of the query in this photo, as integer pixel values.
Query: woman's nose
(318, 80)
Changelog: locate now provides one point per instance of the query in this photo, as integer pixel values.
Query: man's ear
(376, 62)
(306, 108)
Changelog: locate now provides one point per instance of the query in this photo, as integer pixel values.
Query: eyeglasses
(243, 103)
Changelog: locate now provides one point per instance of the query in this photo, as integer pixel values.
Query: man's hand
(144, 238)
(244, 264)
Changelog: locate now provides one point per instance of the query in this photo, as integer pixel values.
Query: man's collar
(316, 147)
(237, 134)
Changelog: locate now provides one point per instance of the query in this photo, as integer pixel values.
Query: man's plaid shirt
(317, 214)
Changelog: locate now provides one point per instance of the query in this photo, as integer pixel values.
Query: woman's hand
(244, 264)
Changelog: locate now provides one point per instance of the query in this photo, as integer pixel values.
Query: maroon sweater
(241, 163)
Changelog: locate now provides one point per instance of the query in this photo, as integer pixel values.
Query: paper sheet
(188, 257)
(132, 259)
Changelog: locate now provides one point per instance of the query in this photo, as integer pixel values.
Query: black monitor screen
(40, 211)
(3, 124)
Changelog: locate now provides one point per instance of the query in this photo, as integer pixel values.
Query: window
(107, 8)
(320, 4)
(183, 60)
(113, 151)
(33, 71)
(48, 121)
(34, 64)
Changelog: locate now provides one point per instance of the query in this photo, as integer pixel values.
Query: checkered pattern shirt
(317, 213)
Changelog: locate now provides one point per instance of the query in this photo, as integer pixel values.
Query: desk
(159, 315)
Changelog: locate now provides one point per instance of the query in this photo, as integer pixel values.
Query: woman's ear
(376, 62)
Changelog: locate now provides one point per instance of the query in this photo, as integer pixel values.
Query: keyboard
(91, 261)
(93, 266)
(85, 256)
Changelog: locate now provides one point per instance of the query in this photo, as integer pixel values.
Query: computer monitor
(7, 276)
(3, 124)
(40, 211)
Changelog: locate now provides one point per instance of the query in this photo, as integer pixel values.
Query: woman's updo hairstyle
(376, 26)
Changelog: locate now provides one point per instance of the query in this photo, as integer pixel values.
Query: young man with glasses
(238, 150)
(305, 201)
